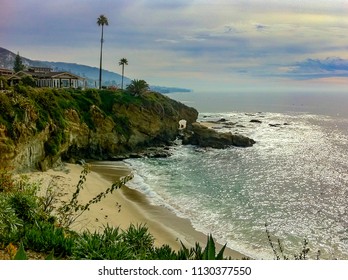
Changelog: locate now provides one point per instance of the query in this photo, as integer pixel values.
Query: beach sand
(123, 207)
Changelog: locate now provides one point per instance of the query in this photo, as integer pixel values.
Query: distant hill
(90, 73)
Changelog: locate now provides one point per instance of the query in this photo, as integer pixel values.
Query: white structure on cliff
(182, 124)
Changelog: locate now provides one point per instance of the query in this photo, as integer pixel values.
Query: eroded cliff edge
(39, 127)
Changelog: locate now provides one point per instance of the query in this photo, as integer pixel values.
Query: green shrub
(165, 252)
(10, 224)
(46, 237)
(3, 83)
(94, 96)
(6, 105)
(53, 144)
(107, 245)
(123, 125)
(139, 240)
(112, 244)
(138, 87)
(28, 81)
(7, 182)
(21, 255)
(22, 89)
(197, 253)
(24, 205)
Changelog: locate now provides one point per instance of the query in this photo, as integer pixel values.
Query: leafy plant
(24, 202)
(196, 253)
(107, 245)
(11, 250)
(94, 95)
(165, 252)
(48, 200)
(278, 250)
(23, 206)
(21, 254)
(123, 126)
(3, 83)
(6, 105)
(209, 251)
(28, 81)
(139, 240)
(70, 211)
(45, 237)
(138, 87)
(6, 180)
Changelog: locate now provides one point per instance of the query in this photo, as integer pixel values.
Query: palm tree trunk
(101, 57)
(122, 75)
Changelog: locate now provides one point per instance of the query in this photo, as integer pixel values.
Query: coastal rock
(203, 136)
(99, 132)
(255, 121)
(274, 124)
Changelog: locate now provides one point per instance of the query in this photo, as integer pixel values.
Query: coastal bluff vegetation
(39, 127)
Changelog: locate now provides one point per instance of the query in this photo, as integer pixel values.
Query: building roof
(46, 75)
(5, 72)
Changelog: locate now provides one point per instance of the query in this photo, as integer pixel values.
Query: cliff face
(39, 128)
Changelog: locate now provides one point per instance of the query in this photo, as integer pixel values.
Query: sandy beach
(123, 207)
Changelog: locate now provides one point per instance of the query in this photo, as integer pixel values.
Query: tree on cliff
(18, 64)
(123, 62)
(102, 20)
(138, 87)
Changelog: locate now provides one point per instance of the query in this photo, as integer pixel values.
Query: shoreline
(124, 206)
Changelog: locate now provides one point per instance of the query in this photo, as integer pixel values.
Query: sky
(204, 45)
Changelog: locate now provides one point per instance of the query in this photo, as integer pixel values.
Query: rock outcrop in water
(203, 136)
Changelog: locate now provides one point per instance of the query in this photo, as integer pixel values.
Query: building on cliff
(45, 77)
(5, 72)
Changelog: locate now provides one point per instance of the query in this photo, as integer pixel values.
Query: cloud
(319, 68)
(165, 4)
(185, 38)
(167, 41)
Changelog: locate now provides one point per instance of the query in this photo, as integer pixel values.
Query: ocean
(294, 178)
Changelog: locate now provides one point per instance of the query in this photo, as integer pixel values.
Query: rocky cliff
(39, 127)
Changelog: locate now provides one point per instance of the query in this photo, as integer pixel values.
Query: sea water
(294, 179)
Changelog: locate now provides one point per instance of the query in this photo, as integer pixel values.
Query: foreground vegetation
(33, 223)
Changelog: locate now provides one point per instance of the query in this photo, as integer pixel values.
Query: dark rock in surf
(255, 121)
(274, 124)
(203, 136)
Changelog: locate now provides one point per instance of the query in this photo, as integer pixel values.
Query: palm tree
(123, 62)
(102, 20)
(138, 87)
